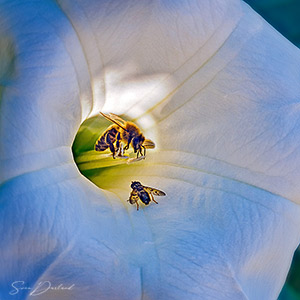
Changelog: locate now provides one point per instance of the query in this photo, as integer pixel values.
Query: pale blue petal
(213, 85)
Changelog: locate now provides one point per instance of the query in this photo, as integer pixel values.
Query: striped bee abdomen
(101, 144)
(107, 139)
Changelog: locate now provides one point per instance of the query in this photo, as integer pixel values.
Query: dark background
(284, 15)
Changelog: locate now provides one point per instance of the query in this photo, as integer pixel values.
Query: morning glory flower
(213, 85)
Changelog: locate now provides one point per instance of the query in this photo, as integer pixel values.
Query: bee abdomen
(107, 138)
(145, 197)
(101, 145)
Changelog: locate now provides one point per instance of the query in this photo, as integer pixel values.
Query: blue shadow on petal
(284, 16)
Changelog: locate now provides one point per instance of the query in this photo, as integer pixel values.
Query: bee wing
(153, 191)
(134, 197)
(115, 119)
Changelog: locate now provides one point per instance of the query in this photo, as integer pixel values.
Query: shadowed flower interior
(99, 166)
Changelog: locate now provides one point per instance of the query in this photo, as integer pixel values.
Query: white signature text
(41, 288)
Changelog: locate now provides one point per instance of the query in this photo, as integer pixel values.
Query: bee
(143, 193)
(122, 131)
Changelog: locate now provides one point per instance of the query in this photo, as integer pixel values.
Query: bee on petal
(143, 193)
(122, 132)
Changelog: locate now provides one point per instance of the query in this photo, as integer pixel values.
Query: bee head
(135, 184)
(137, 142)
(131, 201)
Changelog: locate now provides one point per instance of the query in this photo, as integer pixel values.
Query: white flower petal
(214, 86)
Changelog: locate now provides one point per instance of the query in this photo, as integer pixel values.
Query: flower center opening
(108, 173)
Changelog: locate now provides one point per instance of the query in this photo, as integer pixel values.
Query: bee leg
(119, 149)
(137, 206)
(144, 150)
(111, 145)
(139, 152)
(152, 198)
(112, 149)
(118, 140)
(128, 143)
